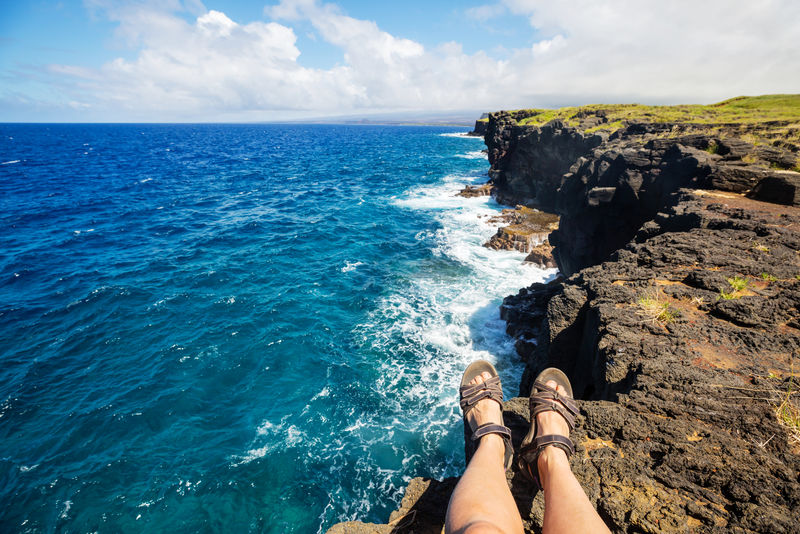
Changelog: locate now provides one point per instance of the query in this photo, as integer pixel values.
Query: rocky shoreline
(677, 318)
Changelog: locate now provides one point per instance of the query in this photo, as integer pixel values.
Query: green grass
(738, 283)
(728, 296)
(740, 110)
(768, 277)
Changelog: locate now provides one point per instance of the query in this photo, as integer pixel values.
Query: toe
(483, 377)
(561, 390)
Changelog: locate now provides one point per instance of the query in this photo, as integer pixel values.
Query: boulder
(781, 187)
(542, 255)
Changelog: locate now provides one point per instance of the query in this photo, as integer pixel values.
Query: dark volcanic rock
(605, 187)
(690, 440)
(678, 431)
(528, 162)
(480, 128)
(737, 177)
(780, 187)
(605, 199)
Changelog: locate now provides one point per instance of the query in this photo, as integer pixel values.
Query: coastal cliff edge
(676, 315)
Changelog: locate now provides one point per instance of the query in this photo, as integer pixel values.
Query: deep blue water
(242, 328)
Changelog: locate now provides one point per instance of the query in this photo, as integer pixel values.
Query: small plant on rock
(738, 283)
(656, 310)
(768, 277)
(759, 247)
(787, 408)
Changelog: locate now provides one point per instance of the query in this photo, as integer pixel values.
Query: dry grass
(656, 310)
(698, 301)
(787, 407)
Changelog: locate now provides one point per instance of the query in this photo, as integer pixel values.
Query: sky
(250, 61)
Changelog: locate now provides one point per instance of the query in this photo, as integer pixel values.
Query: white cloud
(211, 67)
(485, 11)
(676, 50)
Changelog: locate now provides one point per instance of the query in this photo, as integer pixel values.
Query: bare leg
(566, 506)
(481, 501)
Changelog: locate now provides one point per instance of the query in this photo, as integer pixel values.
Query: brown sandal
(470, 394)
(544, 398)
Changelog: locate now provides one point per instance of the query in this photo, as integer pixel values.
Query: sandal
(470, 395)
(544, 398)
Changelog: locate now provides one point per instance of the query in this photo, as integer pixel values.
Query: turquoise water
(251, 328)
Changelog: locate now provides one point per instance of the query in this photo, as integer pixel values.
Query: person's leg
(481, 501)
(566, 506)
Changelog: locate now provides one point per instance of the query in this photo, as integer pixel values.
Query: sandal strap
(538, 445)
(491, 428)
(549, 406)
(553, 394)
(472, 394)
(548, 399)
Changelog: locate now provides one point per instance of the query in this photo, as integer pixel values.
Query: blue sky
(188, 60)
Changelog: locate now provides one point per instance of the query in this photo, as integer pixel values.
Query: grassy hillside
(742, 109)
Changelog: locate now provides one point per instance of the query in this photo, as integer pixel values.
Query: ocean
(238, 328)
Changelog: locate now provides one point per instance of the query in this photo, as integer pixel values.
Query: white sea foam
(10, 162)
(290, 436)
(473, 154)
(427, 329)
(65, 511)
(446, 317)
(350, 266)
(464, 135)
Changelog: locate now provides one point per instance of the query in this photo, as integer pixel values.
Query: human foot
(551, 423)
(486, 411)
(481, 402)
(553, 412)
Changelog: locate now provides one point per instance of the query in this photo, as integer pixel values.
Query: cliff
(677, 316)
(480, 126)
